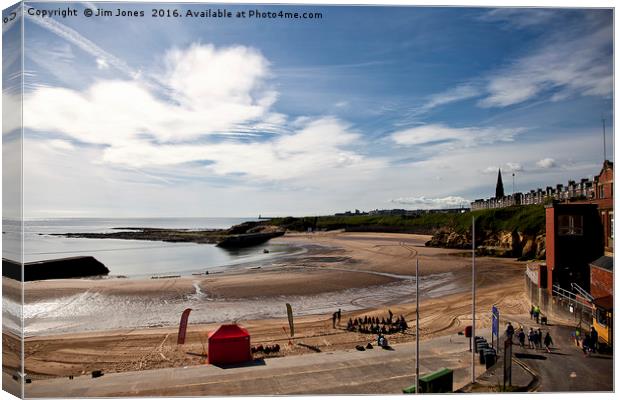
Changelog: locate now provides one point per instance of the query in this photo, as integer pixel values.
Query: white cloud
(215, 91)
(431, 202)
(320, 145)
(546, 163)
(572, 67)
(461, 137)
(514, 167)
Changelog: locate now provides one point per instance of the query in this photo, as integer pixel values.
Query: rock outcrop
(501, 243)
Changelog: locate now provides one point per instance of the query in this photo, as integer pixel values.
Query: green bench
(439, 381)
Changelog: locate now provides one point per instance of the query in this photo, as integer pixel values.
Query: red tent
(229, 344)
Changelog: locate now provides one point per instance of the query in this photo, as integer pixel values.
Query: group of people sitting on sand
(377, 326)
(266, 349)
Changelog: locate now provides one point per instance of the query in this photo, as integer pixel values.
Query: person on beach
(391, 314)
(548, 342)
(334, 320)
(339, 315)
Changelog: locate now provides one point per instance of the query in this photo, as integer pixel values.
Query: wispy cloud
(520, 17)
(458, 93)
(439, 134)
(563, 67)
(568, 64)
(83, 43)
(320, 145)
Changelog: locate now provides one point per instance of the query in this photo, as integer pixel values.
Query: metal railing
(570, 296)
(582, 292)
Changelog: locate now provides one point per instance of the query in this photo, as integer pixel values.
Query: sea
(138, 258)
(92, 310)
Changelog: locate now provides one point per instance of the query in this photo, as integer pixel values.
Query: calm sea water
(137, 258)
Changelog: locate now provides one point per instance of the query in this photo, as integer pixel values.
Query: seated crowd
(375, 325)
(266, 349)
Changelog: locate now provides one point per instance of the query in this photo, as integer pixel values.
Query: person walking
(339, 315)
(530, 338)
(536, 340)
(577, 336)
(532, 312)
(334, 320)
(548, 342)
(539, 338)
(521, 336)
(593, 340)
(510, 331)
(536, 313)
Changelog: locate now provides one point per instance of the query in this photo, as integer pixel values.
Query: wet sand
(335, 261)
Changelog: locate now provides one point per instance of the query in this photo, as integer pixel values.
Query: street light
(417, 325)
(473, 297)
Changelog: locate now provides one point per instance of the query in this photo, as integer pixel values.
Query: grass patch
(526, 219)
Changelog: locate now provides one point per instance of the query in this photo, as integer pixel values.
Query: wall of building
(556, 308)
(601, 282)
(568, 261)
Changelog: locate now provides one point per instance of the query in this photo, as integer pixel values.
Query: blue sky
(368, 107)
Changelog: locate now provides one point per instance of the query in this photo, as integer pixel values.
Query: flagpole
(417, 326)
(473, 298)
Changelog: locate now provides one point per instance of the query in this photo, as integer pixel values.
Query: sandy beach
(336, 265)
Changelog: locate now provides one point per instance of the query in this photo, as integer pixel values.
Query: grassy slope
(526, 219)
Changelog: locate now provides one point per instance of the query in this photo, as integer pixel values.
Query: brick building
(574, 238)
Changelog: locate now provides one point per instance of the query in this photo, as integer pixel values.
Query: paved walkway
(566, 369)
(374, 371)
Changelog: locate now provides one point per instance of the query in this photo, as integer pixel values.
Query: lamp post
(417, 326)
(473, 298)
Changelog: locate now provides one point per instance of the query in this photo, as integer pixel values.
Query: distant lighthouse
(499, 188)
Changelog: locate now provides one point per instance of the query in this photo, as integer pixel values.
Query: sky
(364, 108)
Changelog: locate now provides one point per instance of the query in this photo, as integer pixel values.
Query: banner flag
(289, 311)
(183, 326)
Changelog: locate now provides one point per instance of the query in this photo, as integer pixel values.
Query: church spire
(499, 188)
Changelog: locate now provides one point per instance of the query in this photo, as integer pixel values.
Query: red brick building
(603, 197)
(574, 238)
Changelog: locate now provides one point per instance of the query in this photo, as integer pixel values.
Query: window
(601, 316)
(570, 225)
